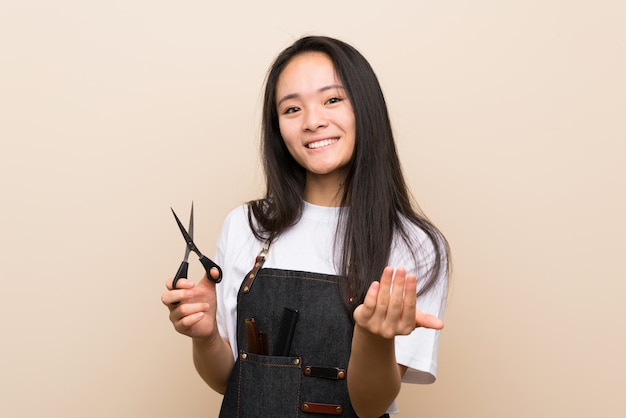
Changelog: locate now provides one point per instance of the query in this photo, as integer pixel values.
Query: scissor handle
(181, 273)
(208, 265)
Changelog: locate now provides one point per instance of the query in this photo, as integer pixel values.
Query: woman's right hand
(193, 307)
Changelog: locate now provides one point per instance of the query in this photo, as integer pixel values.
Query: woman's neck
(324, 190)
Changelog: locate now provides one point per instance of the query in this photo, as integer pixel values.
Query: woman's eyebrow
(320, 90)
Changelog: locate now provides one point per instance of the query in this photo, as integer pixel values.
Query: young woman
(334, 283)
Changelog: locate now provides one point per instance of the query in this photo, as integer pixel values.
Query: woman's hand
(192, 311)
(193, 307)
(389, 308)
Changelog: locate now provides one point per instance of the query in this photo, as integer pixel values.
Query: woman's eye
(333, 100)
(292, 109)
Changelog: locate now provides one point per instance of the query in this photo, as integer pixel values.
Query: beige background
(510, 119)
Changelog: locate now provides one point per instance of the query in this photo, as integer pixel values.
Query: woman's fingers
(192, 307)
(215, 273)
(425, 320)
(183, 291)
(371, 298)
(180, 284)
(385, 289)
(188, 314)
(410, 298)
(396, 300)
(390, 306)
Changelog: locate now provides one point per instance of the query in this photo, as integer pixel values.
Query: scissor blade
(190, 245)
(191, 222)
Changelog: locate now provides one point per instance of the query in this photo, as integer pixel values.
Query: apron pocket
(261, 378)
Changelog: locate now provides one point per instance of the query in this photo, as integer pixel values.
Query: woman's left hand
(389, 308)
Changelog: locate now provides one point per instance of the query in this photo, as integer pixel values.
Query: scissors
(206, 262)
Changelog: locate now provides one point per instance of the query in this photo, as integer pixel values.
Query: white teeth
(320, 144)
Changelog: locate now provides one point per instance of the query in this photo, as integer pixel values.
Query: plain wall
(510, 121)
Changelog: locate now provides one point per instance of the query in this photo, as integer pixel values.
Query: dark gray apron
(310, 380)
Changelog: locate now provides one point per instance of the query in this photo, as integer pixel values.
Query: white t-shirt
(309, 246)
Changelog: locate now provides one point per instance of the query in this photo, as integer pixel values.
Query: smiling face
(315, 117)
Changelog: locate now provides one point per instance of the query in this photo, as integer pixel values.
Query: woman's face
(315, 116)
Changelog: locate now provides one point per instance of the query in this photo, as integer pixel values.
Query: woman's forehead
(307, 73)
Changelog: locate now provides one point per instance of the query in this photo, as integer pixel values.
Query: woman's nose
(314, 118)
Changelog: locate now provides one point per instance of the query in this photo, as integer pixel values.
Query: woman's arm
(374, 377)
(213, 361)
(193, 313)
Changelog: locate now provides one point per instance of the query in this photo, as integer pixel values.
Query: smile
(322, 143)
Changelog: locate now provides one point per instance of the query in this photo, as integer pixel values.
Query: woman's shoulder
(236, 235)
(414, 232)
(418, 245)
(237, 215)
(235, 223)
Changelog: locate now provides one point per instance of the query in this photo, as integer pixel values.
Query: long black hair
(375, 195)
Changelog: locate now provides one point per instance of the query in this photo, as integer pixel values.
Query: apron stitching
(239, 390)
(299, 388)
(260, 363)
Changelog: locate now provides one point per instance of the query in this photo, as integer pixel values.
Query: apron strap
(258, 263)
